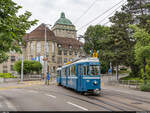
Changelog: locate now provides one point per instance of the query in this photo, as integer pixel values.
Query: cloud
(48, 11)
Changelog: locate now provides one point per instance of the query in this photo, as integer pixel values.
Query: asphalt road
(56, 98)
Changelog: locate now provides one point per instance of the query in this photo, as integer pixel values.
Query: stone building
(62, 45)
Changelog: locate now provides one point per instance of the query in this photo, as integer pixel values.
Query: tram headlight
(95, 82)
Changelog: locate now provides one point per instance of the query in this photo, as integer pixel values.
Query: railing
(126, 83)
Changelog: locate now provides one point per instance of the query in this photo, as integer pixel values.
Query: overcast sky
(48, 11)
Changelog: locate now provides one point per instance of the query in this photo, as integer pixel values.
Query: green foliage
(135, 11)
(6, 75)
(142, 49)
(29, 67)
(12, 27)
(131, 78)
(95, 37)
(145, 87)
(104, 67)
(147, 72)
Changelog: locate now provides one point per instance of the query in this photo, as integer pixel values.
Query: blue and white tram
(82, 75)
(58, 79)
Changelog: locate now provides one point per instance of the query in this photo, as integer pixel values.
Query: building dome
(63, 20)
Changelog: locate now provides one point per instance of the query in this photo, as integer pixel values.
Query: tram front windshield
(95, 69)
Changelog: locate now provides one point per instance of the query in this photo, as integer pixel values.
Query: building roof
(39, 34)
(66, 42)
(63, 20)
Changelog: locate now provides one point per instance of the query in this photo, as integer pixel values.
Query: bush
(123, 68)
(29, 67)
(132, 78)
(145, 87)
(6, 75)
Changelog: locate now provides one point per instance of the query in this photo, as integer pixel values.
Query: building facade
(61, 47)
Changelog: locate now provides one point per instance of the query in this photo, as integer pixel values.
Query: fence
(135, 84)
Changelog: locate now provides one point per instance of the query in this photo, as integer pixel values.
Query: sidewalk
(127, 91)
(12, 85)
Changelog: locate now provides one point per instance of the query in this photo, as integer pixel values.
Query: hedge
(145, 87)
(6, 75)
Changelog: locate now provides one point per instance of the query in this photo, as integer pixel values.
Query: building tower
(63, 27)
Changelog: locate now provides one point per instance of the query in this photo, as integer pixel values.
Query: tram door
(80, 77)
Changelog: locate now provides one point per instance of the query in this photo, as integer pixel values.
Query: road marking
(10, 106)
(0, 105)
(51, 96)
(32, 91)
(117, 90)
(77, 106)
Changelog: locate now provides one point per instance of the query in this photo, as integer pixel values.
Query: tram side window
(57, 73)
(63, 72)
(80, 69)
(68, 70)
(74, 70)
(85, 70)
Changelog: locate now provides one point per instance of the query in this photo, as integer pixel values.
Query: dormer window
(81, 47)
(70, 46)
(59, 45)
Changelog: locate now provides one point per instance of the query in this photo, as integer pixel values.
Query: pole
(22, 67)
(45, 66)
(117, 72)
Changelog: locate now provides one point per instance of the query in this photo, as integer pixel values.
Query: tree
(29, 67)
(12, 27)
(134, 12)
(94, 40)
(140, 11)
(142, 47)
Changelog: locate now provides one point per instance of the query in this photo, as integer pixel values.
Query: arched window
(38, 47)
(31, 48)
(47, 47)
(53, 47)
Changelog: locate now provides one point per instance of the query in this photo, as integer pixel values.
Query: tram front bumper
(96, 91)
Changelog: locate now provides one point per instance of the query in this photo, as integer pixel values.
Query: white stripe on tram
(91, 77)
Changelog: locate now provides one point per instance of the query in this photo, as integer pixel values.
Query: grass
(145, 87)
(6, 75)
(134, 80)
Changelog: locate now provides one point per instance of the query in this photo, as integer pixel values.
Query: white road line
(0, 105)
(32, 91)
(10, 106)
(77, 106)
(51, 96)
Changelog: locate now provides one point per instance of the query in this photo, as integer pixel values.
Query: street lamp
(21, 78)
(45, 54)
(116, 41)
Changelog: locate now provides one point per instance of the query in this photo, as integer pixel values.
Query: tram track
(104, 103)
(129, 105)
(80, 98)
(119, 107)
(113, 93)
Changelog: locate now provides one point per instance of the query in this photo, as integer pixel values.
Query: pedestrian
(47, 78)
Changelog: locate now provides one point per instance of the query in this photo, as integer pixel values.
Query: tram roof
(89, 59)
(58, 68)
